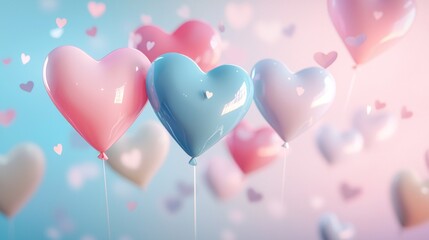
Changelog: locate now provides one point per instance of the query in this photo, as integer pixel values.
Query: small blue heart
(198, 109)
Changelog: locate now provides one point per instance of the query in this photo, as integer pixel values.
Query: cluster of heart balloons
(101, 99)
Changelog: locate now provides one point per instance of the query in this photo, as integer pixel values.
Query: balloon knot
(103, 156)
(286, 145)
(193, 162)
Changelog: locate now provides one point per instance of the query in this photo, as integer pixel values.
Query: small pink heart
(289, 30)
(132, 206)
(28, 87)
(58, 149)
(146, 19)
(405, 113)
(379, 105)
(254, 196)
(184, 12)
(61, 22)
(92, 32)
(349, 192)
(96, 9)
(7, 61)
(300, 91)
(7, 117)
(25, 58)
(325, 60)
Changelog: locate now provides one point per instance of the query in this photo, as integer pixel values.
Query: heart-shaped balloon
(375, 126)
(100, 99)
(335, 145)
(21, 172)
(138, 158)
(195, 39)
(253, 149)
(291, 102)
(224, 178)
(369, 27)
(198, 109)
(410, 196)
(331, 228)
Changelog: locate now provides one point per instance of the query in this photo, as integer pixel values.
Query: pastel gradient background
(398, 77)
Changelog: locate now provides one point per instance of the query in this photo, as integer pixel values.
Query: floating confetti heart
(58, 149)
(379, 105)
(349, 192)
(80, 173)
(56, 32)
(28, 87)
(405, 113)
(7, 117)
(289, 31)
(253, 196)
(150, 45)
(61, 22)
(325, 60)
(132, 206)
(96, 9)
(356, 41)
(184, 12)
(378, 15)
(300, 91)
(221, 27)
(25, 58)
(146, 19)
(92, 32)
(239, 14)
(172, 205)
(7, 61)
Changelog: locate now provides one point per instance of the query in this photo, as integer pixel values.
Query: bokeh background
(287, 30)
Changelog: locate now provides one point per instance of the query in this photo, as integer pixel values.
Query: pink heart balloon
(224, 178)
(253, 149)
(100, 99)
(369, 27)
(195, 39)
(375, 126)
(336, 146)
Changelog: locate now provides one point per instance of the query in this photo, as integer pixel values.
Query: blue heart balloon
(196, 108)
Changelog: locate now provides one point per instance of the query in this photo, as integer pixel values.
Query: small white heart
(378, 15)
(150, 45)
(208, 94)
(300, 91)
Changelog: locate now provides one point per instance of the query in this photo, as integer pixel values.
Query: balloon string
(349, 93)
(286, 146)
(107, 200)
(195, 202)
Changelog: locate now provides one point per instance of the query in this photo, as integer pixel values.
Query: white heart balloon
(335, 145)
(375, 125)
(138, 158)
(21, 172)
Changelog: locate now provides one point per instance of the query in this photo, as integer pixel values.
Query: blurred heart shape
(253, 149)
(138, 157)
(336, 146)
(176, 88)
(100, 99)
(21, 172)
(289, 113)
(28, 87)
(224, 178)
(410, 197)
(7, 117)
(331, 228)
(375, 126)
(325, 59)
(195, 39)
(253, 196)
(349, 192)
(238, 14)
